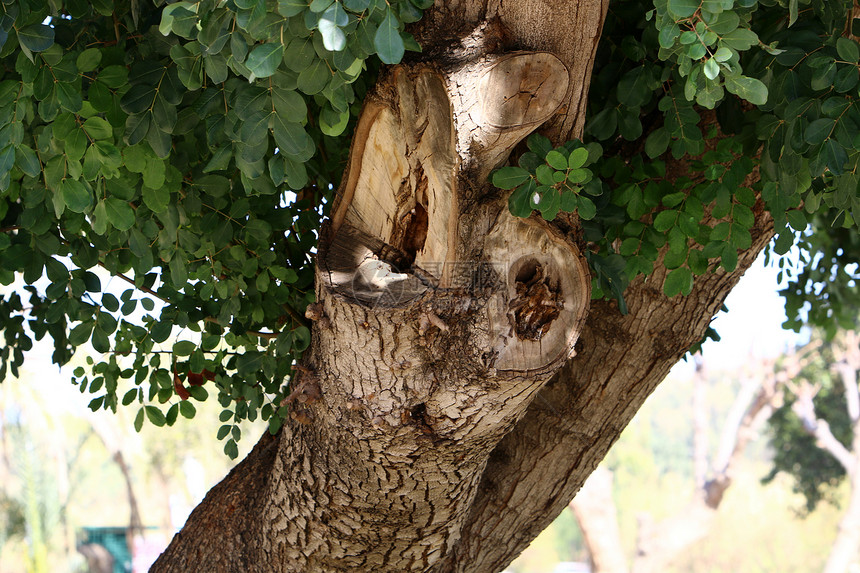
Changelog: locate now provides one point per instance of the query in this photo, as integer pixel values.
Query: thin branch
(130, 281)
(266, 335)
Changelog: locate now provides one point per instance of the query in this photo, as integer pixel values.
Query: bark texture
(424, 435)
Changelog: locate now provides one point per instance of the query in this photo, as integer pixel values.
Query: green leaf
(290, 137)
(848, 50)
(138, 420)
(178, 272)
(334, 39)
(264, 60)
(520, 201)
(657, 142)
(99, 219)
(683, 8)
(578, 158)
(586, 208)
(549, 204)
(89, 59)
(100, 340)
(110, 302)
(545, 175)
(665, 220)
(289, 105)
(741, 39)
(155, 416)
(160, 330)
(172, 414)
(156, 199)
(792, 12)
(333, 123)
(184, 348)
(557, 161)
(387, 40)
(750, 89)
(711, 69)
(729, 257)
(291, 8)
(75, 195)
(819, 130)
(129, 397)
(138, 98)
(114, 76)
(834, 156)
(27, 161)
(231, 449)
(356, 5)
(510, 177)
(634, 89)
(678, 281)
(314, 78)
(98, 128)
(81, 333)
(723, 54)
(119, 213)
(36, 37)
(187, 409)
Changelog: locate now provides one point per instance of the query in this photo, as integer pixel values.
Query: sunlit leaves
(550, 180)
(750, 89)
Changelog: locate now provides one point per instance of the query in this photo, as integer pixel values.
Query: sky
(753, 325)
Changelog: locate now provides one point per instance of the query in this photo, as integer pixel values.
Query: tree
(816, 437)
(425, 407)
(658, 544)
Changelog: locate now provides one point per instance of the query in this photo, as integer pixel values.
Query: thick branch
(577, 417)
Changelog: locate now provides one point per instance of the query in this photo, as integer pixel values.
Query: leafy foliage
(186, 149)
(781, 78)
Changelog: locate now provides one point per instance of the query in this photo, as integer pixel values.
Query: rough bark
(424, 436)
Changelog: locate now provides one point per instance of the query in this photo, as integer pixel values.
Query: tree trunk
(424, 435)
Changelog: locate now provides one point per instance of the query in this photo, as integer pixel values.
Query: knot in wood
(537, 304)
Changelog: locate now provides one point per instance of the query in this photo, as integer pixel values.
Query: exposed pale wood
(442, 320)
(524, 248)
(515, 94)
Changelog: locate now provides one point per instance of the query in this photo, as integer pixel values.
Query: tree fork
(444, 315)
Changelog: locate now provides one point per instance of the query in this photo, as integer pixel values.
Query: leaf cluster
(782, 80)
(185, 151)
